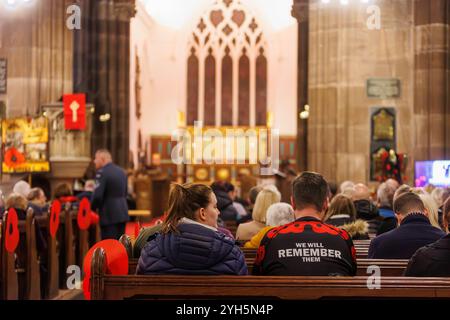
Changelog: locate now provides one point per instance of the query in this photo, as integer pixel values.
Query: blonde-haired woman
(267, 197)
(430, 205)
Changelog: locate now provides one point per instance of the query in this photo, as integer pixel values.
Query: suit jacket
(110, 195)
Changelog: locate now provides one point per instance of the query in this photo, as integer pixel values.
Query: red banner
(75, 111)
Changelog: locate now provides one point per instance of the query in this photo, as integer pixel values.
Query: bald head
(360, 192)
(392, 183)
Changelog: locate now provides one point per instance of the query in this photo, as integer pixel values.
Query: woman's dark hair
(184, 201)
(63, 190)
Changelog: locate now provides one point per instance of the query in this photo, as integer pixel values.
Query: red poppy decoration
(84, 216)
(12, 231)
(116, 260)
(54, 217)
(14, 158)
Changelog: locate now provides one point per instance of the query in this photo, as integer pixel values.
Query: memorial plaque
(3, 75)
(383, 137)
(383, 88)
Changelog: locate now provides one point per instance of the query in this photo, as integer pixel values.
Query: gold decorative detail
(223, 174)
(201, 174)
(383, 126)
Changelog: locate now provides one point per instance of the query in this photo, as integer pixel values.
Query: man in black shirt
(307, 246)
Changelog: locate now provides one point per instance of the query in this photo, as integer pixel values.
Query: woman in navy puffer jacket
(189, 242)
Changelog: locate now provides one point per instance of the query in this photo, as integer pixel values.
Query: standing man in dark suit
(110, 196)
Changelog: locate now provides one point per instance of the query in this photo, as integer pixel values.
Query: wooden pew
(27, 256)
(20, 277)
(67, 245)
(108, 287)
(52, 279)
(389, 268)
(9, 282)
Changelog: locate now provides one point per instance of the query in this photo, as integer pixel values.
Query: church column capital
(125, 10)
(300, 10)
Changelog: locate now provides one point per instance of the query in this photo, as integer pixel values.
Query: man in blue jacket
(414, 231)
(110, 196)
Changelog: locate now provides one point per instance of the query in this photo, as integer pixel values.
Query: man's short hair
(402, 190)
(105, 153)
(309, 189)
(408, 202)
(385, 195)
(35, 194)
(253, 193)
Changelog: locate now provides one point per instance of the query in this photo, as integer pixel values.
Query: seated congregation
(319, 246)
(318, 234)
(212, 243)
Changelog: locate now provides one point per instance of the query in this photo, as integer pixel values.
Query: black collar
(307, 219)
(416, 217)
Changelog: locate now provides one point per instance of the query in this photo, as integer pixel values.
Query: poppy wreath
(14, 158)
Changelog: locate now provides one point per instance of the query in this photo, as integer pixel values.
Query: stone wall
(411, 46)
(38, 46)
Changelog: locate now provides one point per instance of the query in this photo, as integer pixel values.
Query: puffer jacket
(194, 250)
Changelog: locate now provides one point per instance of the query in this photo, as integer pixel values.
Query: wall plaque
(381, 88)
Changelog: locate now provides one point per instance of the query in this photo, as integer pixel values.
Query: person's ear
(201, 214)
(445, 225)
(399, 218)
(292, 202)
(426, 212)
(326, 204)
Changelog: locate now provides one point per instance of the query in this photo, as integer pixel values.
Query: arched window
(227, 68)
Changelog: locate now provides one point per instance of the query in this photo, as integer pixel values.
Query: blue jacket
(110, 195)
(195, 250)
(414, 232)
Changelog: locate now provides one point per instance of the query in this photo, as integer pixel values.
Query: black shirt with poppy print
(306, 247)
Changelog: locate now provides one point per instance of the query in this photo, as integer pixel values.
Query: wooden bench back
(20, 277)
(52, 278)
(109, 287)
(388, 267)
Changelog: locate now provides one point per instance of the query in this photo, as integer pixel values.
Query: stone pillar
(300, 11)
(102, 70)
(431, 79)
(38, 46)
(343, 54)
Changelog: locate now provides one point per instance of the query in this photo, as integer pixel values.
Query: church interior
(236, 95)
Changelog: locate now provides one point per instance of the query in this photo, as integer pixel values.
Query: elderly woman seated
(278, 214)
